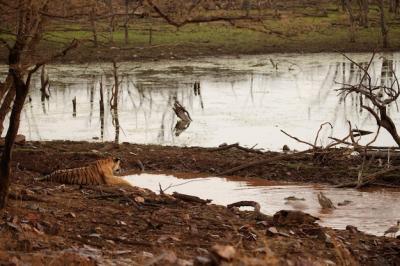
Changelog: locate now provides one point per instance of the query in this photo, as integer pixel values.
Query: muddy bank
(334, 168)
(54, 224)
(91, 55)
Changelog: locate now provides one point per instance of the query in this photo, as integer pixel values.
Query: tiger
(100, 172)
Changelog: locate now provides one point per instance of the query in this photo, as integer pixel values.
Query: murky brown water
(242, 100)
(372, 212)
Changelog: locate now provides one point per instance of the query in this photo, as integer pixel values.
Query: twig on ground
(190, 198)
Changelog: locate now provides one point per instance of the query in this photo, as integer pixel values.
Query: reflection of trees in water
(101, 108)
(114, 102)
(91, 90)
(387, 72)
(352, 74)
(145, 100)
(44, 88)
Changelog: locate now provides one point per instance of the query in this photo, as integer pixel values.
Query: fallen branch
(237, 146)
(24, 197)
(253, 204)
(263, 161)
(190, 198)
(373, 177)
(130, 242)
(319, 131)
(109, 196)
(299, 140)
(369, 179)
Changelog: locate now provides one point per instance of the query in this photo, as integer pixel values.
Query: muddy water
(247, 100)
(372, 212)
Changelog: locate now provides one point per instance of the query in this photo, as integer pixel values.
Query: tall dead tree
(394, 6)
(29, 21)
(383, 23)
(126, 23)
(364, 9)
(93, 24)
(352, 20)
(112, 20)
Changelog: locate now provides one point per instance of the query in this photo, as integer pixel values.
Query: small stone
(328, 240)
(139, 199)
(272, 231)
(285, 148)
(203, 261)
(169, 257)
(344, 203)
(147, 254)
(193, 229)
(71, 215)
(225, 252)
(352, 229)
(109, 241)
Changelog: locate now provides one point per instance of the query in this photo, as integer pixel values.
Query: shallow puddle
(371, 211)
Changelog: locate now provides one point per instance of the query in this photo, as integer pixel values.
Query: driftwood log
(263, 161)
(237, 146)
(190, 198)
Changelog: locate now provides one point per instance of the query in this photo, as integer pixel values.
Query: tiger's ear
(117, 159)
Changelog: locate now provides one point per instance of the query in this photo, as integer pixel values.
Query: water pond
(246, 99)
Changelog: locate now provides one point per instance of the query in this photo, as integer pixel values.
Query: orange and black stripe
(92, 174)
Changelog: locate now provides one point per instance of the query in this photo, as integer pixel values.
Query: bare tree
(364, 9)
(384, 27)
(352, 20)
(376, 99)
(29, 22)
(394, 6)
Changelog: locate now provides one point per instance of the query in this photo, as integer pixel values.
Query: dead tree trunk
(126, 24)
(6, 86)
(114, 104)
(92, 18)
(101, 102)
(21, 91)
(352, 20)
(7, 94)
(112, 21)
(393, 4)
(364, 8)
(384, 27)
(343, 5)
(6, 107)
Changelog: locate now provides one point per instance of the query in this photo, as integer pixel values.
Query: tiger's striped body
(100, 172)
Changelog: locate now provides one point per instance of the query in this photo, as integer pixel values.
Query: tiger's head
(116, 164)
(110, 165)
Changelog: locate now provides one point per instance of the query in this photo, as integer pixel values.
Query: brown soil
(55, 224)
(334, 168)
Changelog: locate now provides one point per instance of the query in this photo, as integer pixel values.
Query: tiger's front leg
(116, 181)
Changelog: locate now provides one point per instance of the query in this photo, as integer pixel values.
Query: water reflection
(371, 211)
(231, 100)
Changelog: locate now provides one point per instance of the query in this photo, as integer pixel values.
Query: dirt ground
(53, 224)
(334, 168)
